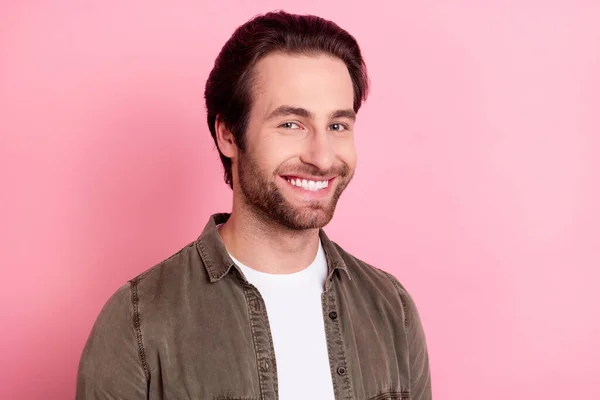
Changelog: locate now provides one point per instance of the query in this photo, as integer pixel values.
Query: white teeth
(308, 184)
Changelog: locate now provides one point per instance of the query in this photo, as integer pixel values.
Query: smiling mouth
(309, 184)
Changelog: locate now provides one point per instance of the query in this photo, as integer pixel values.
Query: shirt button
(333, 315)
(341, 371)
(266, 365)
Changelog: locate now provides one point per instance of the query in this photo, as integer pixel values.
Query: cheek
(273, 150)
(346, 151)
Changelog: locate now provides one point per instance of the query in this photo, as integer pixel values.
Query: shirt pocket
(392, 396)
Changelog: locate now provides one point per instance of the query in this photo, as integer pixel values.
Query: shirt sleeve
(420, 376)
(110, 367)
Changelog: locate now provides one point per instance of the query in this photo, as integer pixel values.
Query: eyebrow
(284, 110)
(349, 113)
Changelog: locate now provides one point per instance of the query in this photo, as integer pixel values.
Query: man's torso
(202, 331)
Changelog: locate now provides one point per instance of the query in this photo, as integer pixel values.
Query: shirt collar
(217, 262)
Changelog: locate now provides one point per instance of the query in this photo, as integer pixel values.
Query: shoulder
(146, 300)
(116, 312)
(170, 275)
(377, 282)
(147, 289)
(363, 270)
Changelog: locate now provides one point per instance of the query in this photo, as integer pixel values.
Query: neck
(267, 246)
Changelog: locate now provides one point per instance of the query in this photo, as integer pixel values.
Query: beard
(267, 202)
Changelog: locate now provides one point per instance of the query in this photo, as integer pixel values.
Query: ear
(225, 140)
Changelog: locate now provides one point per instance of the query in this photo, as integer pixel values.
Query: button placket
(335, 345)
(266, 365)
(263, 343)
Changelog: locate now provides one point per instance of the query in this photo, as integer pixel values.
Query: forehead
(319, 83)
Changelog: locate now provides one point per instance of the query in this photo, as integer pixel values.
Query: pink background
(478, 182)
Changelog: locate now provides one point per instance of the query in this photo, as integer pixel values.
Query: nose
(319, 150)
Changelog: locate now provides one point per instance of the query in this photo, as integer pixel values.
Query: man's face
(300, 152)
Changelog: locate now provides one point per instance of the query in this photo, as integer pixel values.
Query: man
(263, 305)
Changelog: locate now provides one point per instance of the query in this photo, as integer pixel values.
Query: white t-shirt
(295, 313)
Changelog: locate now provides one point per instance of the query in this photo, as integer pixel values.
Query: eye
(338, 127)
(290, 125)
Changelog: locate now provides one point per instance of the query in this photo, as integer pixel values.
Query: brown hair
(228, 88)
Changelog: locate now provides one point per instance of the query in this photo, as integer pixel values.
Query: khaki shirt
(192, 327)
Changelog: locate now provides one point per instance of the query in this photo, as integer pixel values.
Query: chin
(308, 219)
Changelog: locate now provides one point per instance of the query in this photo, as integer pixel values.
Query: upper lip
(309, 178)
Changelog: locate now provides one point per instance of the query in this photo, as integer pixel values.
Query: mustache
(341, 171)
